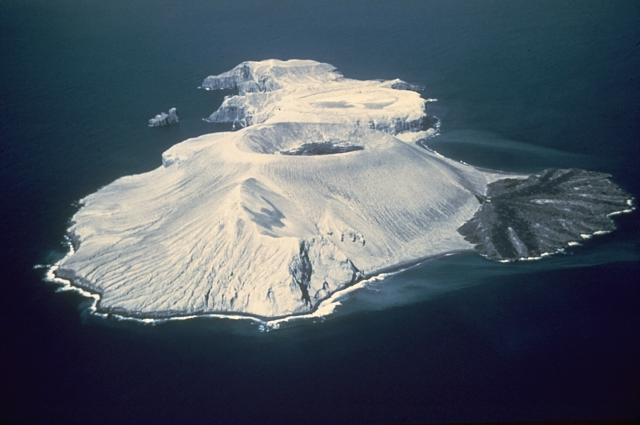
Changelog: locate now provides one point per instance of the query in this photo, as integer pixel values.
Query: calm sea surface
(521, 86)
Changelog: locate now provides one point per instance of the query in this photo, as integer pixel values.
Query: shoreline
(324, 308)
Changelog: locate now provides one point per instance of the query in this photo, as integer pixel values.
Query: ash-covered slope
(229, 224)
(317, 191)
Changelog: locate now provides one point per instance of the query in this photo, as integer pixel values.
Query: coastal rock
(165, 118)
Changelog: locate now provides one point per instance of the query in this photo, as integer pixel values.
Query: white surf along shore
(321, 188)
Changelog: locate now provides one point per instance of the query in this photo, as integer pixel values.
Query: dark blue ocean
(522, 85)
